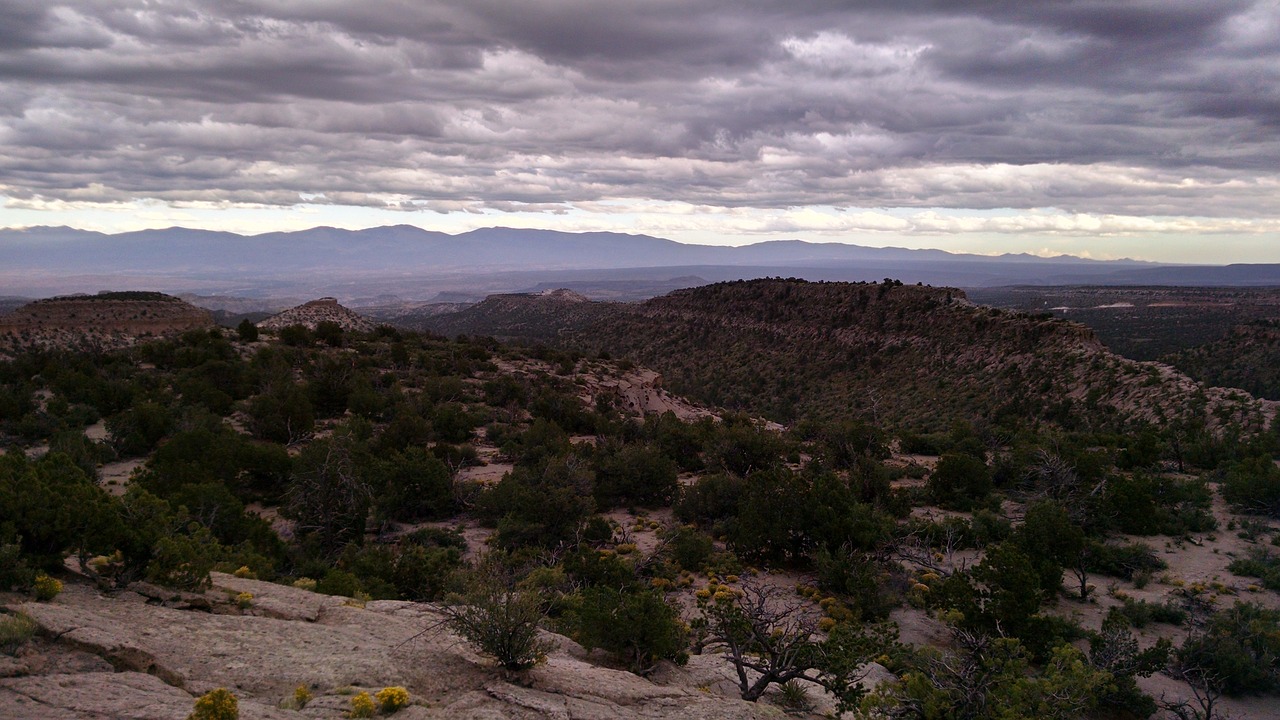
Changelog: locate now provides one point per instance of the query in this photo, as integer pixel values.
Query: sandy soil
(115, 476)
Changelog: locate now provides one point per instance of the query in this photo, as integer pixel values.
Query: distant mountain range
(344, 263)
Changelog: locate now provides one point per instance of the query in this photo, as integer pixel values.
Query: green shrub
(989, 528)
(1237, 651)
(15, 631)
(960, 482)
(1051, 541)
(690, 549)
(742, 448)
(139, 429)
(247, 331)
(14, 570)
(415, 485)
(1140, 613)
(1115, 650)
(540, 506)
(1144, 504)
(710, 499)
(861, 582)
(499, 620)
(924, 444)
(587, 566)
(438, 537)
(1260, 564)
(338, 582)
(51, 507)
(425, 573)
(1253, 486)
(634, 475)
(1122, 561)
(184, 561)
(638, 626)
(992, 677)
(773, 522)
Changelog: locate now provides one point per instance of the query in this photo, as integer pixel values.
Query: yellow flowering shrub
(362, 706)
(391, 699)
(244, 600)
(217, 704)
(301, 696)
(47, 588)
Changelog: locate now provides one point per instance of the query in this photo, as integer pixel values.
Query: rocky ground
(147, 653)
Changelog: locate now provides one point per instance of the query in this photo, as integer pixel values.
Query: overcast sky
(1108, 128)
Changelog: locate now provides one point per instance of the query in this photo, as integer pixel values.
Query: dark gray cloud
(1101, 106)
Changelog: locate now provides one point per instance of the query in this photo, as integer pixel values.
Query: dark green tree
(540, 506)
(247, 331)
(637, 625)
(634, 475)
(413, 485)
(960, 482)
(49, 508)
(1049, 539)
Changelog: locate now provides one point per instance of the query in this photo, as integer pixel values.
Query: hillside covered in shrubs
(863, 561)
(899, 355)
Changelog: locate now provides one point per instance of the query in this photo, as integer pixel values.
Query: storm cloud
(1130, 108)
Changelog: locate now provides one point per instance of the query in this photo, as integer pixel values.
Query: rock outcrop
(311, 314)
(159, 659)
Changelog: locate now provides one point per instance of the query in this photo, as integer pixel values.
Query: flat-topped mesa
(106, 320)
(563, 294)
(311, 314)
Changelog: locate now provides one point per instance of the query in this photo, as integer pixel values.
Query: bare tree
(1206, 688)
(916, 550)
(772, 637)
(328, 494)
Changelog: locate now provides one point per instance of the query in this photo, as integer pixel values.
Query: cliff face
(891, 353)
(108, 320)
(311, 314)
